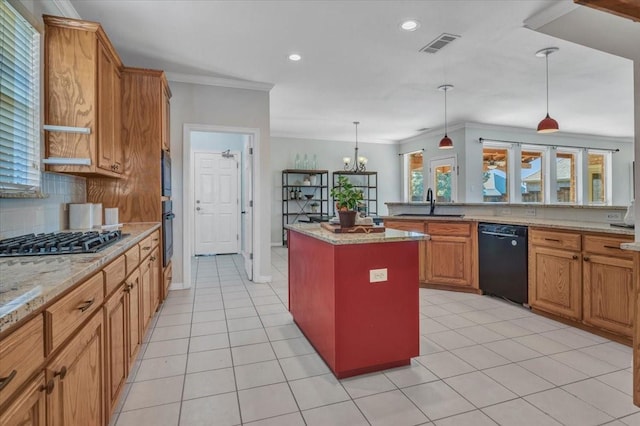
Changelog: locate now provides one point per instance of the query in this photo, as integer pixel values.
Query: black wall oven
(167, 232)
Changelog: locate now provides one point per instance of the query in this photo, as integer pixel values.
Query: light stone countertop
(388, 236)
(631, 246)
(528, 221)
(27, 283)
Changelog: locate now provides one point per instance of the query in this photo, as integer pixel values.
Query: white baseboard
(178, 286)
(262, 279)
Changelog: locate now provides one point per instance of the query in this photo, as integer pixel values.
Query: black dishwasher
(502, 253)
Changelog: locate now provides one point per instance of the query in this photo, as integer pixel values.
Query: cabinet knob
(86, 305)
(586, 258)
(575, 257)
(152, 258)
(4, 381)
(61, 373)
(48, 387)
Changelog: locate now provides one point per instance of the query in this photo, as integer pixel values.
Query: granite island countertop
(27, 283)
(388, 236)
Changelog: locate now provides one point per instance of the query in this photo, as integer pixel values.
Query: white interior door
(247, 216)
(216, 209)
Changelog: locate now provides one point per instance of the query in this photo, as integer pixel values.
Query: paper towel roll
(81, 216)
(111, 216)
(97, 215)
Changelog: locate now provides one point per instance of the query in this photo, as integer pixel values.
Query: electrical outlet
(614, 216)
(530, 212)
(377, 275)
(505, 211)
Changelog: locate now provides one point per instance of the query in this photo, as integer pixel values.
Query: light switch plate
(377, 275)
(530, 211)
(614, 216)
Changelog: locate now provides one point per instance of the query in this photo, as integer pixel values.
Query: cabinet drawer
(114, 274)
(20, 354)
(132, 257)
(68, 313)
(404, 225)
(449, 228)
(606, 245)
(148, 243)
(555, 239)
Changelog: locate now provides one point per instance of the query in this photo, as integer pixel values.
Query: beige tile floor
(226, 352)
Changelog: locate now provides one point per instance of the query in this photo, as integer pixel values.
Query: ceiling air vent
(441, 41)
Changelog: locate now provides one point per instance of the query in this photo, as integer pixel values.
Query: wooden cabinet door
(168, 276)
(109, 111)
(555, 281)
(607, 293)
(132, 287)
(636, 334)
(29, 407)
(77, 372)
(156, 286)
(145, 293)
(117, 352)
(449, 261)
(166, 115)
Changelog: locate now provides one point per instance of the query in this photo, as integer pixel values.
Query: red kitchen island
(356, 296)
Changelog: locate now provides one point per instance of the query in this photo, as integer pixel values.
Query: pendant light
(548, 124)
(445, 142)
(359, 163)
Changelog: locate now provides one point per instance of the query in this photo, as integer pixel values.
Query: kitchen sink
(430, 215)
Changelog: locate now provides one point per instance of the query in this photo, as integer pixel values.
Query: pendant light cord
(445, 111)
(546, 58)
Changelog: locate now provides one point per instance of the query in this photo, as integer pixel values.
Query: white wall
(383, 158)
(220, 106)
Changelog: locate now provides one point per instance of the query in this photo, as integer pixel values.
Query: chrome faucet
(432, 201)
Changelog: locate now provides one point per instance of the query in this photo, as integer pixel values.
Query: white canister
(111, 216)
(629, 218)
(97, 215)
(81, 216)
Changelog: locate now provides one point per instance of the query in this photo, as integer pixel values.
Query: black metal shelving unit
(298, 198)
(367, 182)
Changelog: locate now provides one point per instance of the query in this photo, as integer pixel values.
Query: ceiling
(359, 66)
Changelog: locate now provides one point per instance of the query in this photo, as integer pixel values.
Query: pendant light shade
(548, 124)
(445, 142)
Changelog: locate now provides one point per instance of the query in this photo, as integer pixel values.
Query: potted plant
(346, 197)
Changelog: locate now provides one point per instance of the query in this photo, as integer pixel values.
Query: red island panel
(355, 325)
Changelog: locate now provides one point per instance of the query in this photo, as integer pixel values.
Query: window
(495, 173)
(566, 176)
(597, 172)
(19, 103)
(415, 176)
(443, 179)
(532, 175)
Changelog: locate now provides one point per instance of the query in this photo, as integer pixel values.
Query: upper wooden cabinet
(83, 90)
(166, 114)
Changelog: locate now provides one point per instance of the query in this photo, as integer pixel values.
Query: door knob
(197, 201)
(198, 208)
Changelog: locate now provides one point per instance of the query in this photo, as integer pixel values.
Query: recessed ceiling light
(295, 57)
(410, 25)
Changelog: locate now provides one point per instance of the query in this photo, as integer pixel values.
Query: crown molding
(568, 135)
(219, 81)
(61, 8)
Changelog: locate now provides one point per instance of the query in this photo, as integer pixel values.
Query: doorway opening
(218, 194)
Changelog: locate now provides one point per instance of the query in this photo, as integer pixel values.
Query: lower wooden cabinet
(29, 407)
(133, 288)
(451, 255)
(636, 335)
(77, 372)
(116, 330)
(555, 281)
(167, 277)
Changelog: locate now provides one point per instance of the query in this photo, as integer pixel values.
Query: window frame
(407, 176)
(509, 147)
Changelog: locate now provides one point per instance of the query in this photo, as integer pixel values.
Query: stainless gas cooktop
(58, 243)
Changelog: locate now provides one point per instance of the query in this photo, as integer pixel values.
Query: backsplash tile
(35, 215)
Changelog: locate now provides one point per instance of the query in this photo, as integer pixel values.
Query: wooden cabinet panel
(607, 286)
(156, 285)
(132, 287)
(449, 228)
(167, 277)
(114, 274)
(78, 379)
(68, 313)
(109, 110)
(29, 407)
(166, 114)
(145, 294)
(555, 281)
(636, 334)
(117, 353)
(132, 257)
(609, 246)
(449, 261)
(21, 353)
(555, 239)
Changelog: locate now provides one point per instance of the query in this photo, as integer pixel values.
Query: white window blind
(19, 102)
